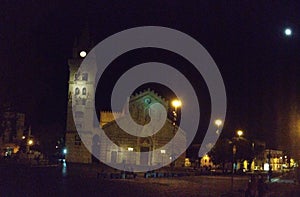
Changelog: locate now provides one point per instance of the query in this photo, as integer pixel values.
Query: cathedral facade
(81, 89)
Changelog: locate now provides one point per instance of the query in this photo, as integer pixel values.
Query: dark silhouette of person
(252, 187)
(260, 186)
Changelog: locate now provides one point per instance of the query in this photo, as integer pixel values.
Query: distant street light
(234, 149)
(130, 149)
(175, 103)
(239, 133)
(30, 142)
(65, 151)
(233, 161)
(218, 122)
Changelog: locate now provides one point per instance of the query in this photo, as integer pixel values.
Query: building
(139, 108)
(81, 88)
(275, 158)
(206, 161)
(12, 125)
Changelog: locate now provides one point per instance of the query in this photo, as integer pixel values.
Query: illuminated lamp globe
(240, 133)
(82, 54)
(218, 122)
(176, 103)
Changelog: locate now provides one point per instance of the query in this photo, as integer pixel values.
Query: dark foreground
(74, 180)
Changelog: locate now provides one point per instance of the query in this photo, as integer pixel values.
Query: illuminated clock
(147, 101)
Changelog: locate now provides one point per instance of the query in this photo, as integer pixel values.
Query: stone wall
(77, 152)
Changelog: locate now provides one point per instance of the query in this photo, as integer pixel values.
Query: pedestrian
(252, 187)
(260, 186)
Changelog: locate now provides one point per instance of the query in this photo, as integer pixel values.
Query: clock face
(147, 101)
(82, 54)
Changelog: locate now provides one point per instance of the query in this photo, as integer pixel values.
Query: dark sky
(258, 63)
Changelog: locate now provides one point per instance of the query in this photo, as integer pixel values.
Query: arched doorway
(96, 149)
(145, 146)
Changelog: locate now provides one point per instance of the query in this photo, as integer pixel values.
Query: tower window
(78, 126)
(77, 140)
(84, 91)
(76, 76)
(78, 114)
(77, 91)
(84, 76)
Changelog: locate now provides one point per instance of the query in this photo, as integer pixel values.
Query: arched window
(76, 77)
(77, 91)
(77, 140)
(83, 91)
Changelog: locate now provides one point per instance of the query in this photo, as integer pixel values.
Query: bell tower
(81, 89)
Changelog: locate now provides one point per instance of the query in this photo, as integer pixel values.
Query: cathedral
(12, 126)
(81, 87)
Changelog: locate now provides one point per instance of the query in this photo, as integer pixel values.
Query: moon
(288, 32)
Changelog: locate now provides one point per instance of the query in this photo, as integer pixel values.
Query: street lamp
(65, 151)
(233, 158)
(130, 149)
(30, 142)
(176, 104)
(239, 133)
(218, 122)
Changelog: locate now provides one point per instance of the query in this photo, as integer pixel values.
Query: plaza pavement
(81, 180)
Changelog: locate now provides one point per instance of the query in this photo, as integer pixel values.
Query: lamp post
(29, 144)
(130, 149)
(239, 133)
(176, 104)
(270, 167)
(218, 122)
(233, 158)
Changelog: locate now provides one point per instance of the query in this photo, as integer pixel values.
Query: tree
(248, 150)
(221, 153)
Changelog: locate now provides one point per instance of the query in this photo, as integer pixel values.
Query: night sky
(259, 64)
